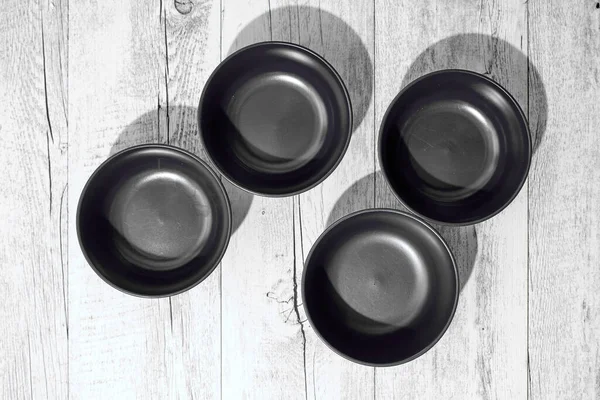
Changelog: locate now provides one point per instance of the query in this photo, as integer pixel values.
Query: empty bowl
(275, 118)
(380, 287)
(153, 220)
(455, 147)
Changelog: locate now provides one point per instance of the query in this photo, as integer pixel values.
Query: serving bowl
(455, 147)
(153, 220)
(380, 287)
(275, 118)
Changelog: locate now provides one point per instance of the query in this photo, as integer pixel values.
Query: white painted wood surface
(33, 204)
(564, 205)
(261, 344)
(138, 83)
(484, 352)
(86, 79)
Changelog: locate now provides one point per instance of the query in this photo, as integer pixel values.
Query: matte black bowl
(275, 118)
(153, 220)
(455, 147)
(380, 287)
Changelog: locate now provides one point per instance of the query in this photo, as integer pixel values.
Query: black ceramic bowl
(153, 220)
(380, 287)
(455, 147)
(275, 118)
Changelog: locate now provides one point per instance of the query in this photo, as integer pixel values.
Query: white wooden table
(80, 81)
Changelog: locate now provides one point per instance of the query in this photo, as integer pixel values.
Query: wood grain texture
(484, 352)
(33, 310)
(271, 332)
(262, 341)
(136, 84)
(96, 77)
(342, 33)
(192, 51)
(564, 210)
(118, 343)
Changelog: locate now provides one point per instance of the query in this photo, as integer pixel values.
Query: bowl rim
(510, 98)
(170, 148)
(338, 78)
(396, 213)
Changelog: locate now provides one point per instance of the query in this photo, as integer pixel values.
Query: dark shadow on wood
(462, 240)
(151, 127)
(326, 35)
(492, 57)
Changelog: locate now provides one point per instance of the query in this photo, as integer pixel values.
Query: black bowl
(153, 220)
(380, 287)
(275, 118)
(455, 147)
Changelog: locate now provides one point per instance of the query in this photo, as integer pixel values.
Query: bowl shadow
(326, 35)
(158, 127)
(462, 240)
(496, 59)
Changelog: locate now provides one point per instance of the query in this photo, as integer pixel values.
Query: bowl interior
(455, 147)
(380, 287)
(275, 118)
(153, 221)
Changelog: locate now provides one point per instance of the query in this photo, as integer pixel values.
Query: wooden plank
(137, 84)
(342, 33)
(484, 352)
(277, 233)
(193, 32)
(33, 311)
(564, 211)
(262, 348)
(117, 346)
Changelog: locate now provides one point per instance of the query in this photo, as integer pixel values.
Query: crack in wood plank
(49, 170)
(270, 20)
(295, 286)
(45, 80)
(166, 74)
(62, 261)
